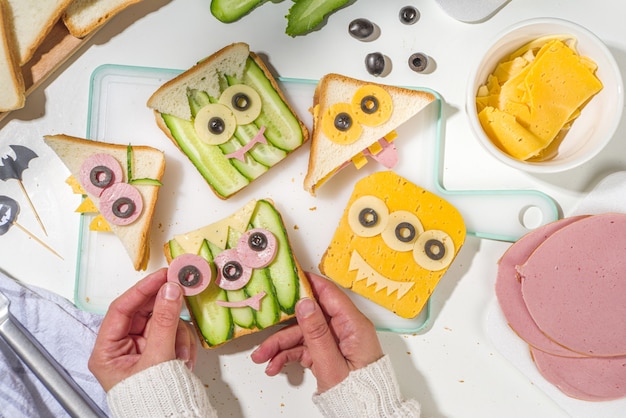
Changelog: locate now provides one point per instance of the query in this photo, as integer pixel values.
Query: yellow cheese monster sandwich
(394, 242)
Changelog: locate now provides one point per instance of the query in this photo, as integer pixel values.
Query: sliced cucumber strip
(208, 159)
(282, 127)
(269, 312)
(283, 271)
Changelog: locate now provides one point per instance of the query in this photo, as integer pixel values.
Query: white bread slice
(148, 162)
(171, 97)
(84, 16)
(32, 20)
(327, 157)
(12, 88)
(217, 233)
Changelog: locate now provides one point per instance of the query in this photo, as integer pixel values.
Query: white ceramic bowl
(599, 119)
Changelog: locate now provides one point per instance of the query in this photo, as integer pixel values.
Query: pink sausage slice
(509, 289)
(574, 285)
(586, 378)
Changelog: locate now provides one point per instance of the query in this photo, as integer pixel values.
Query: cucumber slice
(228, 11)
(208, 159)
(214, 321)
(306, 15)
(269, 312)
(282, 127)
(244, 317)
(283, 271)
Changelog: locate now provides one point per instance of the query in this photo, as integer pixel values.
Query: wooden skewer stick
(32, 207)
(30, 234)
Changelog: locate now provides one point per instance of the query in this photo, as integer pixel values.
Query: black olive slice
(232, 270)
(241, 101)
(189, 276)
(368, 217)
(123, 207)
(257, 241)
(418, 62)
(101, 176)
(405, 232)
(434, 249)
(343, 121)
(369, 104)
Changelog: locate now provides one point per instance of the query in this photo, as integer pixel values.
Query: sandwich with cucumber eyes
(229, 116)
(120, 183)
(239, 274)
(355, 120)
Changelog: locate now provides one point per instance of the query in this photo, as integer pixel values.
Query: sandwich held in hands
(120, 182)
(354, 120)
(229, 116)
(239, 274)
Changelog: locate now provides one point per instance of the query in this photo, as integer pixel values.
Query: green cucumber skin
(214, 321)
(306, 15)
(243, 316)
(228, 11)
(283, 271)
(282, 127)
(269, 311)
(209, 160)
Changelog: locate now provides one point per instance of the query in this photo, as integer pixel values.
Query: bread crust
(11, 61)
(334, 88)
(103, 11)
(150, 196)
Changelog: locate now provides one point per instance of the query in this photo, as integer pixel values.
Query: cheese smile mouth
(367, 272)
(254, 302)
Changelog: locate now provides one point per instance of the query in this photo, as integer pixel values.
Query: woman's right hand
(331, 337)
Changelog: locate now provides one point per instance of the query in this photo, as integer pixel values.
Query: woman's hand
(142, 328)
(331, 338)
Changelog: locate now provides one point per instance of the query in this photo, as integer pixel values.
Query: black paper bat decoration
(12, 168)
(8, 213)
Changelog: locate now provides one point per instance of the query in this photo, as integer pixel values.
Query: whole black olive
(363, 30)
(418, 62)
(216, 125)
(409, 15)
(375, 63)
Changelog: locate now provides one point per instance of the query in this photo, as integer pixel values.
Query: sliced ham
(509, 289)
(586, 378)
(574, 285)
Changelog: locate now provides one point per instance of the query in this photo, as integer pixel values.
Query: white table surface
(452, 367)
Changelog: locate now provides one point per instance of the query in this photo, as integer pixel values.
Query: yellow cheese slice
(99, 224)
(217, 233)
(87, 206)
(75, 185)
(369, 266)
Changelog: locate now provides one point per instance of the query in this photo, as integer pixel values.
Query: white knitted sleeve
(371, 391)
(168, 389)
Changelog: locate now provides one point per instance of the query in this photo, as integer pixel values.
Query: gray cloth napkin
(66, 332)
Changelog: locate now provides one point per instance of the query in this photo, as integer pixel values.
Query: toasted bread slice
(252, 142)
(85, 16)
(147, 163)
(32, 20)
(336, 95)
(12, 89)
(264, 295)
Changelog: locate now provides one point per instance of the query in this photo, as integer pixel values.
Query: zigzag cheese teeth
(192, 272)
(99, 172)
(121, 204)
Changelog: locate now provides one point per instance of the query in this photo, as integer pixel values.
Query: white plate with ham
(560, 311)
